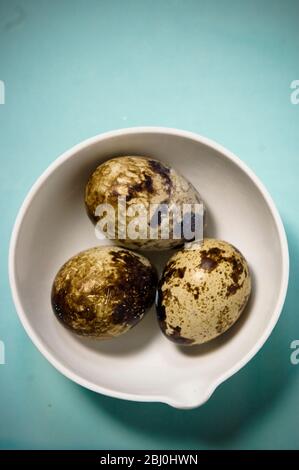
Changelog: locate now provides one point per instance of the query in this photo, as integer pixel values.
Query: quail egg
(202, 292)
(103, 291)
(149, 188)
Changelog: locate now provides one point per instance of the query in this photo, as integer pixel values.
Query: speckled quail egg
(144, 182)
(202, 292)
(103, 291)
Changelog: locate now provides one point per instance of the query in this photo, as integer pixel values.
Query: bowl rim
(134, 396)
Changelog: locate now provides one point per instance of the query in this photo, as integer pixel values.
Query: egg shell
(202, 292)
(142, 181)
(103, 291)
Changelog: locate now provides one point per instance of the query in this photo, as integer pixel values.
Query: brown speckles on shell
(160, 169)
(210, 296)
(103, 291)
(171, 332)
(142, 181)
(210, 259)
(177, 337)
(224, 320)
(213, 257)
(145, 185)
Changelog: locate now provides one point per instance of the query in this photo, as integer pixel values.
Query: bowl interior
(142, 363)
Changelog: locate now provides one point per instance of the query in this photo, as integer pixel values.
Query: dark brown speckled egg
(103, 291)
(202, 292)
(145, 182)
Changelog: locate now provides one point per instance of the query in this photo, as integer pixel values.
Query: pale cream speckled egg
(202, 292)
(143, 181)
(103, 291)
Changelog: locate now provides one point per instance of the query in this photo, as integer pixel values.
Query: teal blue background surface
(73, 69)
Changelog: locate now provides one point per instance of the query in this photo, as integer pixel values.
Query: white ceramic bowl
(143, 365)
